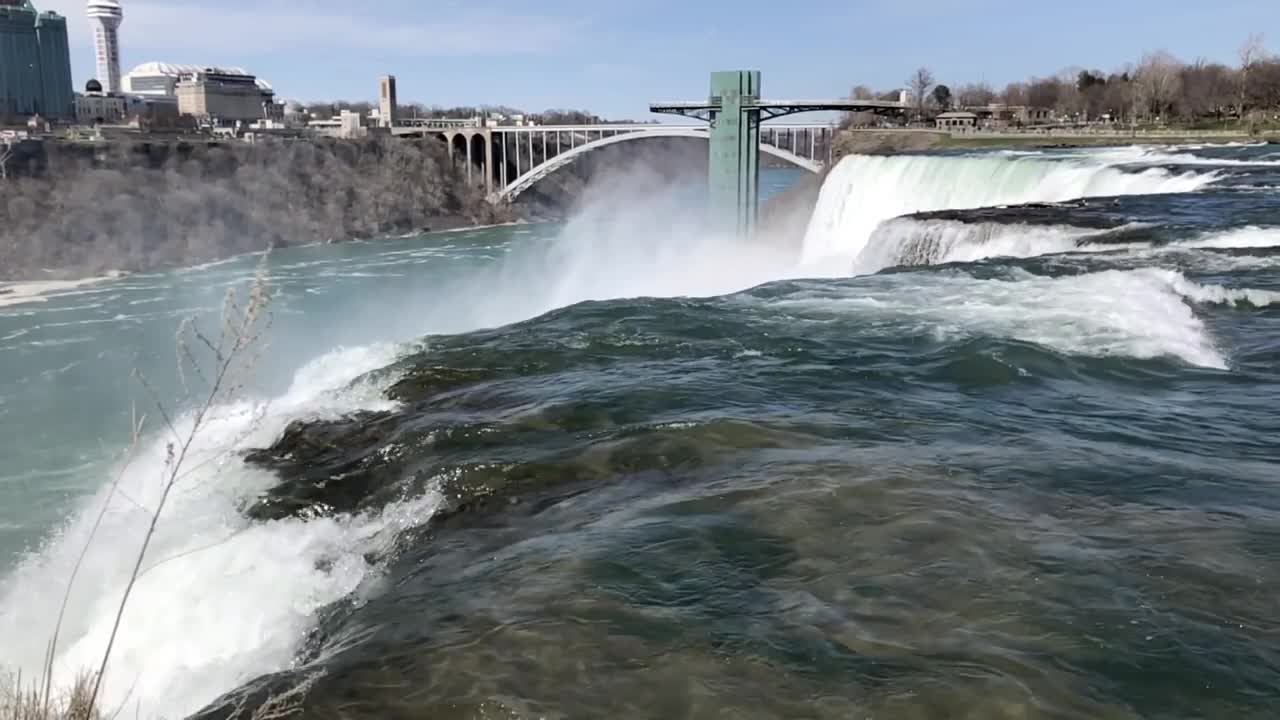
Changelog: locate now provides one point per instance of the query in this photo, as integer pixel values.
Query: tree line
(1159, 88)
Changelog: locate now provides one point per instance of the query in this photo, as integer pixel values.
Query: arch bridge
(511, 159)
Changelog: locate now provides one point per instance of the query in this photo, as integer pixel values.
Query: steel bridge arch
(533, 175)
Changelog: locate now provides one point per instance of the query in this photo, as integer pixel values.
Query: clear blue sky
(614, 57)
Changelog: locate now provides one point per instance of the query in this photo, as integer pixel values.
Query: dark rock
(325, 466)
(423, 383)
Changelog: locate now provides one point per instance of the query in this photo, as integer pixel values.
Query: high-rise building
(19, 57)
(55, 65)
(35, 63)
(105, 17)
(387, 110)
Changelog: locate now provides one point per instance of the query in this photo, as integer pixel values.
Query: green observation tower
(734, 109)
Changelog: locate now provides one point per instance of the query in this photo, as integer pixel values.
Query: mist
(636, 230)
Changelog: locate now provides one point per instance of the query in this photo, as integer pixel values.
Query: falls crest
(864, 191)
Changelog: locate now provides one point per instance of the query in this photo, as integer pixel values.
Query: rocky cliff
(71, 210)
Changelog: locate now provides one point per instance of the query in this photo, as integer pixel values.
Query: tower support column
(734, 168)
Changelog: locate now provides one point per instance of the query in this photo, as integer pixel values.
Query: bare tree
(569, 117)
(1264, 85)
(975, 95)
(1158, 83)
(920, 83)
(1160, 86)
(858, 119)
(1207, 89)
(414, 110)
(1043, 93)
(1118, 97)
(1253, 50)
(1015, 93)
(1070, 102)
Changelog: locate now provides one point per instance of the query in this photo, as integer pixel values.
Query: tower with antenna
(105, 17)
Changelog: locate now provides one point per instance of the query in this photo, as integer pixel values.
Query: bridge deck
(605, 127)
(846, 105)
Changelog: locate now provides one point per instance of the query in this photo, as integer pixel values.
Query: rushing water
(973, 447)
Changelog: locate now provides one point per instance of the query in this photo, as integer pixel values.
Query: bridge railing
(510, 152)
(438, 123)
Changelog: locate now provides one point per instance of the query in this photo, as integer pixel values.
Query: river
(997, 438)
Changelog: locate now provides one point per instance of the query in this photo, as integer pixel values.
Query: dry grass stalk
(136, 426)
(230, 360)
(241, 329)
(18, 702)
(222, 376)
(277, 706)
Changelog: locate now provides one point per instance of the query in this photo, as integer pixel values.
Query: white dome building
(161, 79)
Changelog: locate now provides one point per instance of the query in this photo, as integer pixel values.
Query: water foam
(913, 241)
(224, 600)
(864, 191)
(1149, 155)
(1240, 238)
(1212, 294)
(1212, 252)
(1140, 313)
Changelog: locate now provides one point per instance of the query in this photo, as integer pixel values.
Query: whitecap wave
(913, 241)
(1142, 313)
(225, 599)
(1148, 155)
(1241, 238)
(1213, 294)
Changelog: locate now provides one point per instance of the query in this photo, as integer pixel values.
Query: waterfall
(864, 191)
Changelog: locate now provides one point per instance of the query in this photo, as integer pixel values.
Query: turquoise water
(1015, 462)
(67, 393)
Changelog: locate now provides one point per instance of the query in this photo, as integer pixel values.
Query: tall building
(223, 97)
(55, 66)
(35, 63)
(387, 109)
(105, 17)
